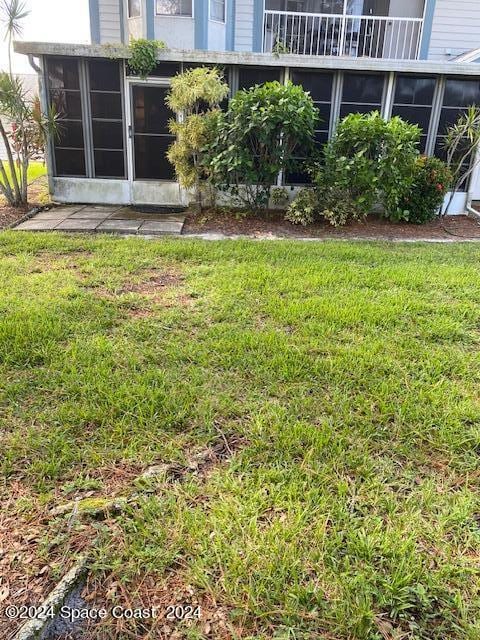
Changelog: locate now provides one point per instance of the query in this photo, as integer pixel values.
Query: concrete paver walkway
(105, 219)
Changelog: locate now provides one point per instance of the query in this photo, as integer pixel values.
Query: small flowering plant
(431, 182)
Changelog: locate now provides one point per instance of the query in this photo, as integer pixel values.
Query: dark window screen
(413, 103)
(151, 135)
(319, 85)
(362, 93)
(107, 119)
(459, 95)
(64, 96)
(162, 70)
(250, 76)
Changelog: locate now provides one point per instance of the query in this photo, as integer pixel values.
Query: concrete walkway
(104, 219)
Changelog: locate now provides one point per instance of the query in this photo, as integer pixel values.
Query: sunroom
(114, 135)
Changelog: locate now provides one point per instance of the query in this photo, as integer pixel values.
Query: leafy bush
(143, 56)
(279, 197)
(195, 94)
(430, 182)
(368, 160)
(338, 207)
(304, 209)
(259, 136)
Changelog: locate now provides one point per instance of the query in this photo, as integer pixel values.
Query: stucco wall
(177, 32)
(216, 36)
(456, 27)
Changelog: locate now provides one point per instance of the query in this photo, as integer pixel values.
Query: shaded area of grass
(349, 373)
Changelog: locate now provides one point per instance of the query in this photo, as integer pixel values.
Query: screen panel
(362, 93)
(458, 96)
(107, 124)
(320, 85)
(250, 76)
(413, 101)
(151, 134)
(63, 82)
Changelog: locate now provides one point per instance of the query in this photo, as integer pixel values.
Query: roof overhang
(39, 49)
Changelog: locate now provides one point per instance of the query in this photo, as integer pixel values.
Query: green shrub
(143, 56)
(368, 160)
(263, 131)
(304, 209)
(195, 94)
(279, 197)
(338, 207)
(430, 182)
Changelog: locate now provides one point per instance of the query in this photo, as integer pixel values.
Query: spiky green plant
(462, 144)
(23, 127)
(12, 13)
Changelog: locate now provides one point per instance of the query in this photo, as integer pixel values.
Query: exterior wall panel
(244, 25)
(456, 28)
(177, 32)
(110, 22)
(216, 36)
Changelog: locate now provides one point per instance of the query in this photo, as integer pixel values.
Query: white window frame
(224, 12)
(175, 15)
(128, 11)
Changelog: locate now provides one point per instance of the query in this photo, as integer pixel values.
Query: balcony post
(343, 28)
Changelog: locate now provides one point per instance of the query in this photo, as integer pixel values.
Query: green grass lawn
(35, 170)
(333, 387)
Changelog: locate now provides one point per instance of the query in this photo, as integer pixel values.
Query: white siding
(110, 27)
(456, 28)
(244, 25)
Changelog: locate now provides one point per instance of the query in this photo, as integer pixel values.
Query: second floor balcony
(354, 28)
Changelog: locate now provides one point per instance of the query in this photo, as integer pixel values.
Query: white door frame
(147, 191)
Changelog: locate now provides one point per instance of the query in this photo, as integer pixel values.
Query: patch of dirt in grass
(59, 261)
(157, 287)
(272, 224)
(154, 284)
(9, 215)
(158, 593)
(37, 196)
(25, 577)
(29, 533)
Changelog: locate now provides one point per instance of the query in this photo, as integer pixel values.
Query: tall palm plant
(12, 13)
(23, 127)
(462, 146)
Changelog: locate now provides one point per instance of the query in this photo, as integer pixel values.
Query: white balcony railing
(317, 34)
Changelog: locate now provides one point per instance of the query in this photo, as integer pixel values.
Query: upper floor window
(217, 10)
(174, 7)
(134, 8)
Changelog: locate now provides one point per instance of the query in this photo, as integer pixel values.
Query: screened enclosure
(115, 126)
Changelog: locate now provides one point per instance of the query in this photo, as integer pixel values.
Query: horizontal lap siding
(110, 27)
(244, 25)
(456, 27)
